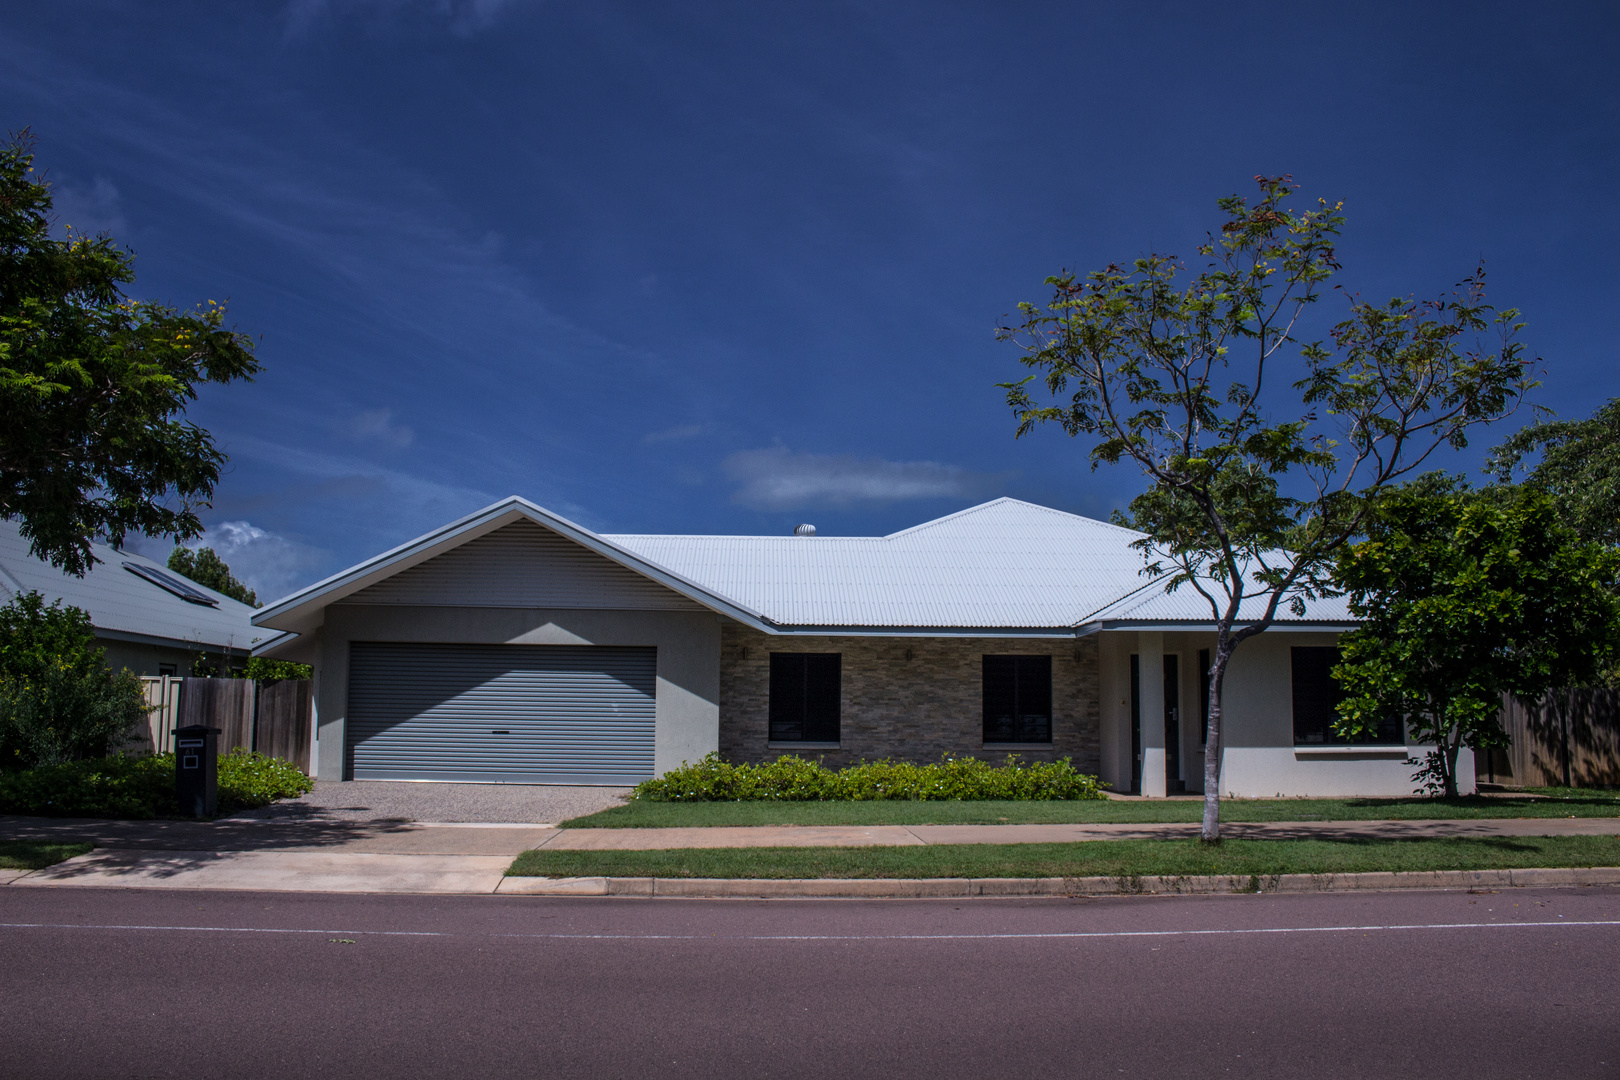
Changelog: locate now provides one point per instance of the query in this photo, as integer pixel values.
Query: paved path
(111, 983)
(391, 856)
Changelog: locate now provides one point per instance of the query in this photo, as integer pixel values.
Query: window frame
(818, 691)
(1022, 666)
(1390, 732)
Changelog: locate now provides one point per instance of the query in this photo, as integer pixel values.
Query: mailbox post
(196, 769)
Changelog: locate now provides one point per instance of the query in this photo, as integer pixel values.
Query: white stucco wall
(1259, 758)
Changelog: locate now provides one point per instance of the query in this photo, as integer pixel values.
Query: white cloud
(463, 17)
(778, 479)
(269, 564)
(683, 431)
(377, 425)
(91, 209)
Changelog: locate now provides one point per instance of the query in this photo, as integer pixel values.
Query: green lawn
(1110, 858)
(1563, 802)
(37, 854)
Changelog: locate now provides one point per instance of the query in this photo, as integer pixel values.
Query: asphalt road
(112, 983)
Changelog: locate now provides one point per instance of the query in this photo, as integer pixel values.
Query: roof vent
(804, 530)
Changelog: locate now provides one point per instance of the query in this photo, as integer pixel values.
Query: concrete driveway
(378, 800)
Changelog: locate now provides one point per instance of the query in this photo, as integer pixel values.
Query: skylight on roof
(183, 589)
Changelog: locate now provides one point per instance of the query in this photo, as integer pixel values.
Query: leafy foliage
(58, 700)
(205, 567)
(1169, 367)
(1579, 467)
(1464, 596)
(274, 670)
(143, 787)
(94, 386)
(794, 778)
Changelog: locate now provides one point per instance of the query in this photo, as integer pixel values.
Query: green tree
(275, 670)
(1168, 368)
(1464, 596)
(1579, 467)
(205, 567)
(58, 699)
(94, 386)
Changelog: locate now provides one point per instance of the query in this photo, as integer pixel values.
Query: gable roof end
(304, 611)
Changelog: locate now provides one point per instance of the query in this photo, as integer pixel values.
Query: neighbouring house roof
(1005, 567)
(141, 604)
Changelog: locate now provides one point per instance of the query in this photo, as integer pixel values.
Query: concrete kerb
(951, 888)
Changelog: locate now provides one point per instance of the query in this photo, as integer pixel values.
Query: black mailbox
(196, 769)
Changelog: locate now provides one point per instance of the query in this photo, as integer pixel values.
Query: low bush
(143, 787)
(58, 700)
(796, 779)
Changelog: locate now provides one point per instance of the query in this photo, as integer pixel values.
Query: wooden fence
(162, 712)
(273, 718)
(1569, 738)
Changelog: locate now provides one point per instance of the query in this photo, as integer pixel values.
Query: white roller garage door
(516, 714)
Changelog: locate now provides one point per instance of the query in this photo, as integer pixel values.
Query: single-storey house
(514, 646)
(148, 618)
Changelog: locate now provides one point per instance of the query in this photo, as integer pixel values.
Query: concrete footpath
(424, 857)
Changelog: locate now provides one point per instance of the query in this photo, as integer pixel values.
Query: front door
(1172, 724)
(1173, 783)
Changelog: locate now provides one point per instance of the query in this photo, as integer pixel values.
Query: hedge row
(794, 778)
(143, 787)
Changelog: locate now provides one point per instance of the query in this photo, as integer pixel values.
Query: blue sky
(729, 267)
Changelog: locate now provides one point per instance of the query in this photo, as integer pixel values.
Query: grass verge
(1559, 803)
(1106, 858)
(37, 854)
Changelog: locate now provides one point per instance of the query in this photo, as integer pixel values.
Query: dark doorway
(1136, 724)
(1172, 725)
(1173, 784)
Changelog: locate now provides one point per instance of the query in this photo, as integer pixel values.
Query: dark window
(804, 697)
(1017, 699)
(1316, 699)
(1203, 691)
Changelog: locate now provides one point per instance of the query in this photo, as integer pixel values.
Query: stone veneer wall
(907, 698)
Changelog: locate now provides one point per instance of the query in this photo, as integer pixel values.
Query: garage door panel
(560, 714)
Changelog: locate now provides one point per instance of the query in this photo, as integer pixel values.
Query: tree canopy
(1464, 596)
(1579, 467)
(1172, 369)
(205, 567)
(94, 386)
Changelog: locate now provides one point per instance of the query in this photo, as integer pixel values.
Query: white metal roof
(125, 605)
(1005, 564)
(1004, 567)
(1186, 605)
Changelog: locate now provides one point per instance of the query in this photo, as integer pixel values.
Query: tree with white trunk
(1171, 368)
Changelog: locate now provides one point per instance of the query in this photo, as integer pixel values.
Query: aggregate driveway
(374, 800)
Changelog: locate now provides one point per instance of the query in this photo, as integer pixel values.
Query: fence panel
(223, 703)
(1568, 737)
(162, 713)
(286, 711)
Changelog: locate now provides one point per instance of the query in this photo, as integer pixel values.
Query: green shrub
(248, 780)
(58, 700)
(131, 787)
(794, 778)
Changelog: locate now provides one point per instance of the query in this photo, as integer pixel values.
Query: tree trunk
(1211, 832)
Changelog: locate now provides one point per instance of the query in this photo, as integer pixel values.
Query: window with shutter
(1018, 699)
(804, 697)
